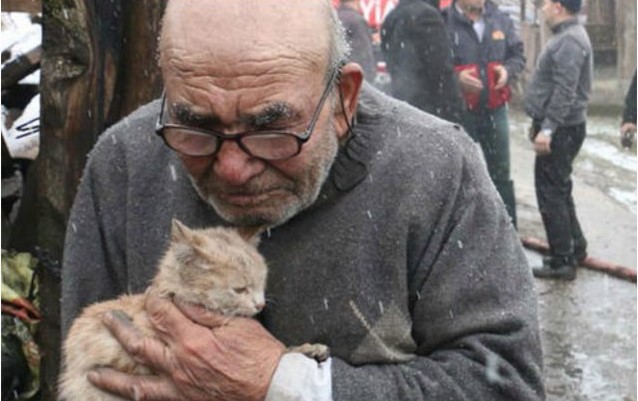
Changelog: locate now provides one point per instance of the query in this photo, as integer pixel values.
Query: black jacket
(416, 50)
(360, 39)
(501, 43)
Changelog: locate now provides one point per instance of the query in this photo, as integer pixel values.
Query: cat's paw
(318, 352)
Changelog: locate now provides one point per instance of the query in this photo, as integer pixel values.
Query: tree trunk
(98, 65)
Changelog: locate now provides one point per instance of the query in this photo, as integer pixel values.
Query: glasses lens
(190, 143)
(271, 145)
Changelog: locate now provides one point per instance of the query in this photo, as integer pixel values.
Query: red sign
(374, 11)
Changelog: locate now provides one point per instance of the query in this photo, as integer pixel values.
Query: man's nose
(234, 166)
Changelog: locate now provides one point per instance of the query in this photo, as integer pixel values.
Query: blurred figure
(359, 37)
(417, 53)
(628, 127)
(556, 99)
(487, 53)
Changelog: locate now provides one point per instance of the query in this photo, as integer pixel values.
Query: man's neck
(561, 19)
(462, 12)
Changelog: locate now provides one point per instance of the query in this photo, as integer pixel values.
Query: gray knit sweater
(407, 266)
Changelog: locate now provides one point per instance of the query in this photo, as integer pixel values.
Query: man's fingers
(201, 316)
(146, 350)
(502, 77)
(472, 81)
(171, 324)
(542, 148)
(138, 388)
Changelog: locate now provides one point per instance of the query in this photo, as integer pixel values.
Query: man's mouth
(249, 199)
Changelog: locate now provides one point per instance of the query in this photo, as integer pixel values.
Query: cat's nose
(260, 306)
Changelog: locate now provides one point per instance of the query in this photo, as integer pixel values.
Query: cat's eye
(240, 290)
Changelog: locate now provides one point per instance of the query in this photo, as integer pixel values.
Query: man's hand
(627, 134)
(542, 144)
(199, 355)
(469, 82)
(501, 76)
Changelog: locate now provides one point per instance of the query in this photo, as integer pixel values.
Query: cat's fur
(213, 267)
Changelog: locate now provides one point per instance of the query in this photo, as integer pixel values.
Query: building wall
(626, 38)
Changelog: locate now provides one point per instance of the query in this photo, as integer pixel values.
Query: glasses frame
(301, 138)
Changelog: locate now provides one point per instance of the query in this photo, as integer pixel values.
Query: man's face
(273, 84)
(473, 9)
(550, 10)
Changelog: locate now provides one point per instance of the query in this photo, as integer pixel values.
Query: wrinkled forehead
(222, 35)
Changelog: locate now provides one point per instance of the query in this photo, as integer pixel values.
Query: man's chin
(253, 215)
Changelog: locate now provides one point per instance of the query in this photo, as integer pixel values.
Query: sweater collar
(564, 25)
(353, 161)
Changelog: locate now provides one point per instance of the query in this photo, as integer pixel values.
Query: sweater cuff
(299, 378)
(549, 125)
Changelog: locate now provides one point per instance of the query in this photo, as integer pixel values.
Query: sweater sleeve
(299, 378)
(473, 313)
(568, 60)
(92, 269)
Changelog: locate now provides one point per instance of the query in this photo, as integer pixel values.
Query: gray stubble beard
(308, 194)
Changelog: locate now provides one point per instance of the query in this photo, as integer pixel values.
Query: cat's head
(219, 268)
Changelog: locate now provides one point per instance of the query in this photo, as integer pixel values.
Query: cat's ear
(251, 234)
(184, 254)
(179, 232)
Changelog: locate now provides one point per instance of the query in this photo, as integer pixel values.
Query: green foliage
(20, 354)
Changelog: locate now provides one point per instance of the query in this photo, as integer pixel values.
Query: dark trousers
(490, 128)
(552, 175)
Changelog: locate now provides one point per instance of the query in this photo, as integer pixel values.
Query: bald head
(231, 32)
(245, 67)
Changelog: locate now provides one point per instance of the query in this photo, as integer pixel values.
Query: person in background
(487, 53)
(556, 100)
(415, 47)
(628, 125)
(386, 241)
(359, 37)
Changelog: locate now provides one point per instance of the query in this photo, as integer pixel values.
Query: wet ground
(588, 326)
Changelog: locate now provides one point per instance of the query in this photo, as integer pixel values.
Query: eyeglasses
(266, 144)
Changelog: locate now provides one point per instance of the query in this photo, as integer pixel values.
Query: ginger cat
(213, 267)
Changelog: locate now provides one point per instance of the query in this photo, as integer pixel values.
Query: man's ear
(350, 82)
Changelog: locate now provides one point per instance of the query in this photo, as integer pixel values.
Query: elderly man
(388, 242)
